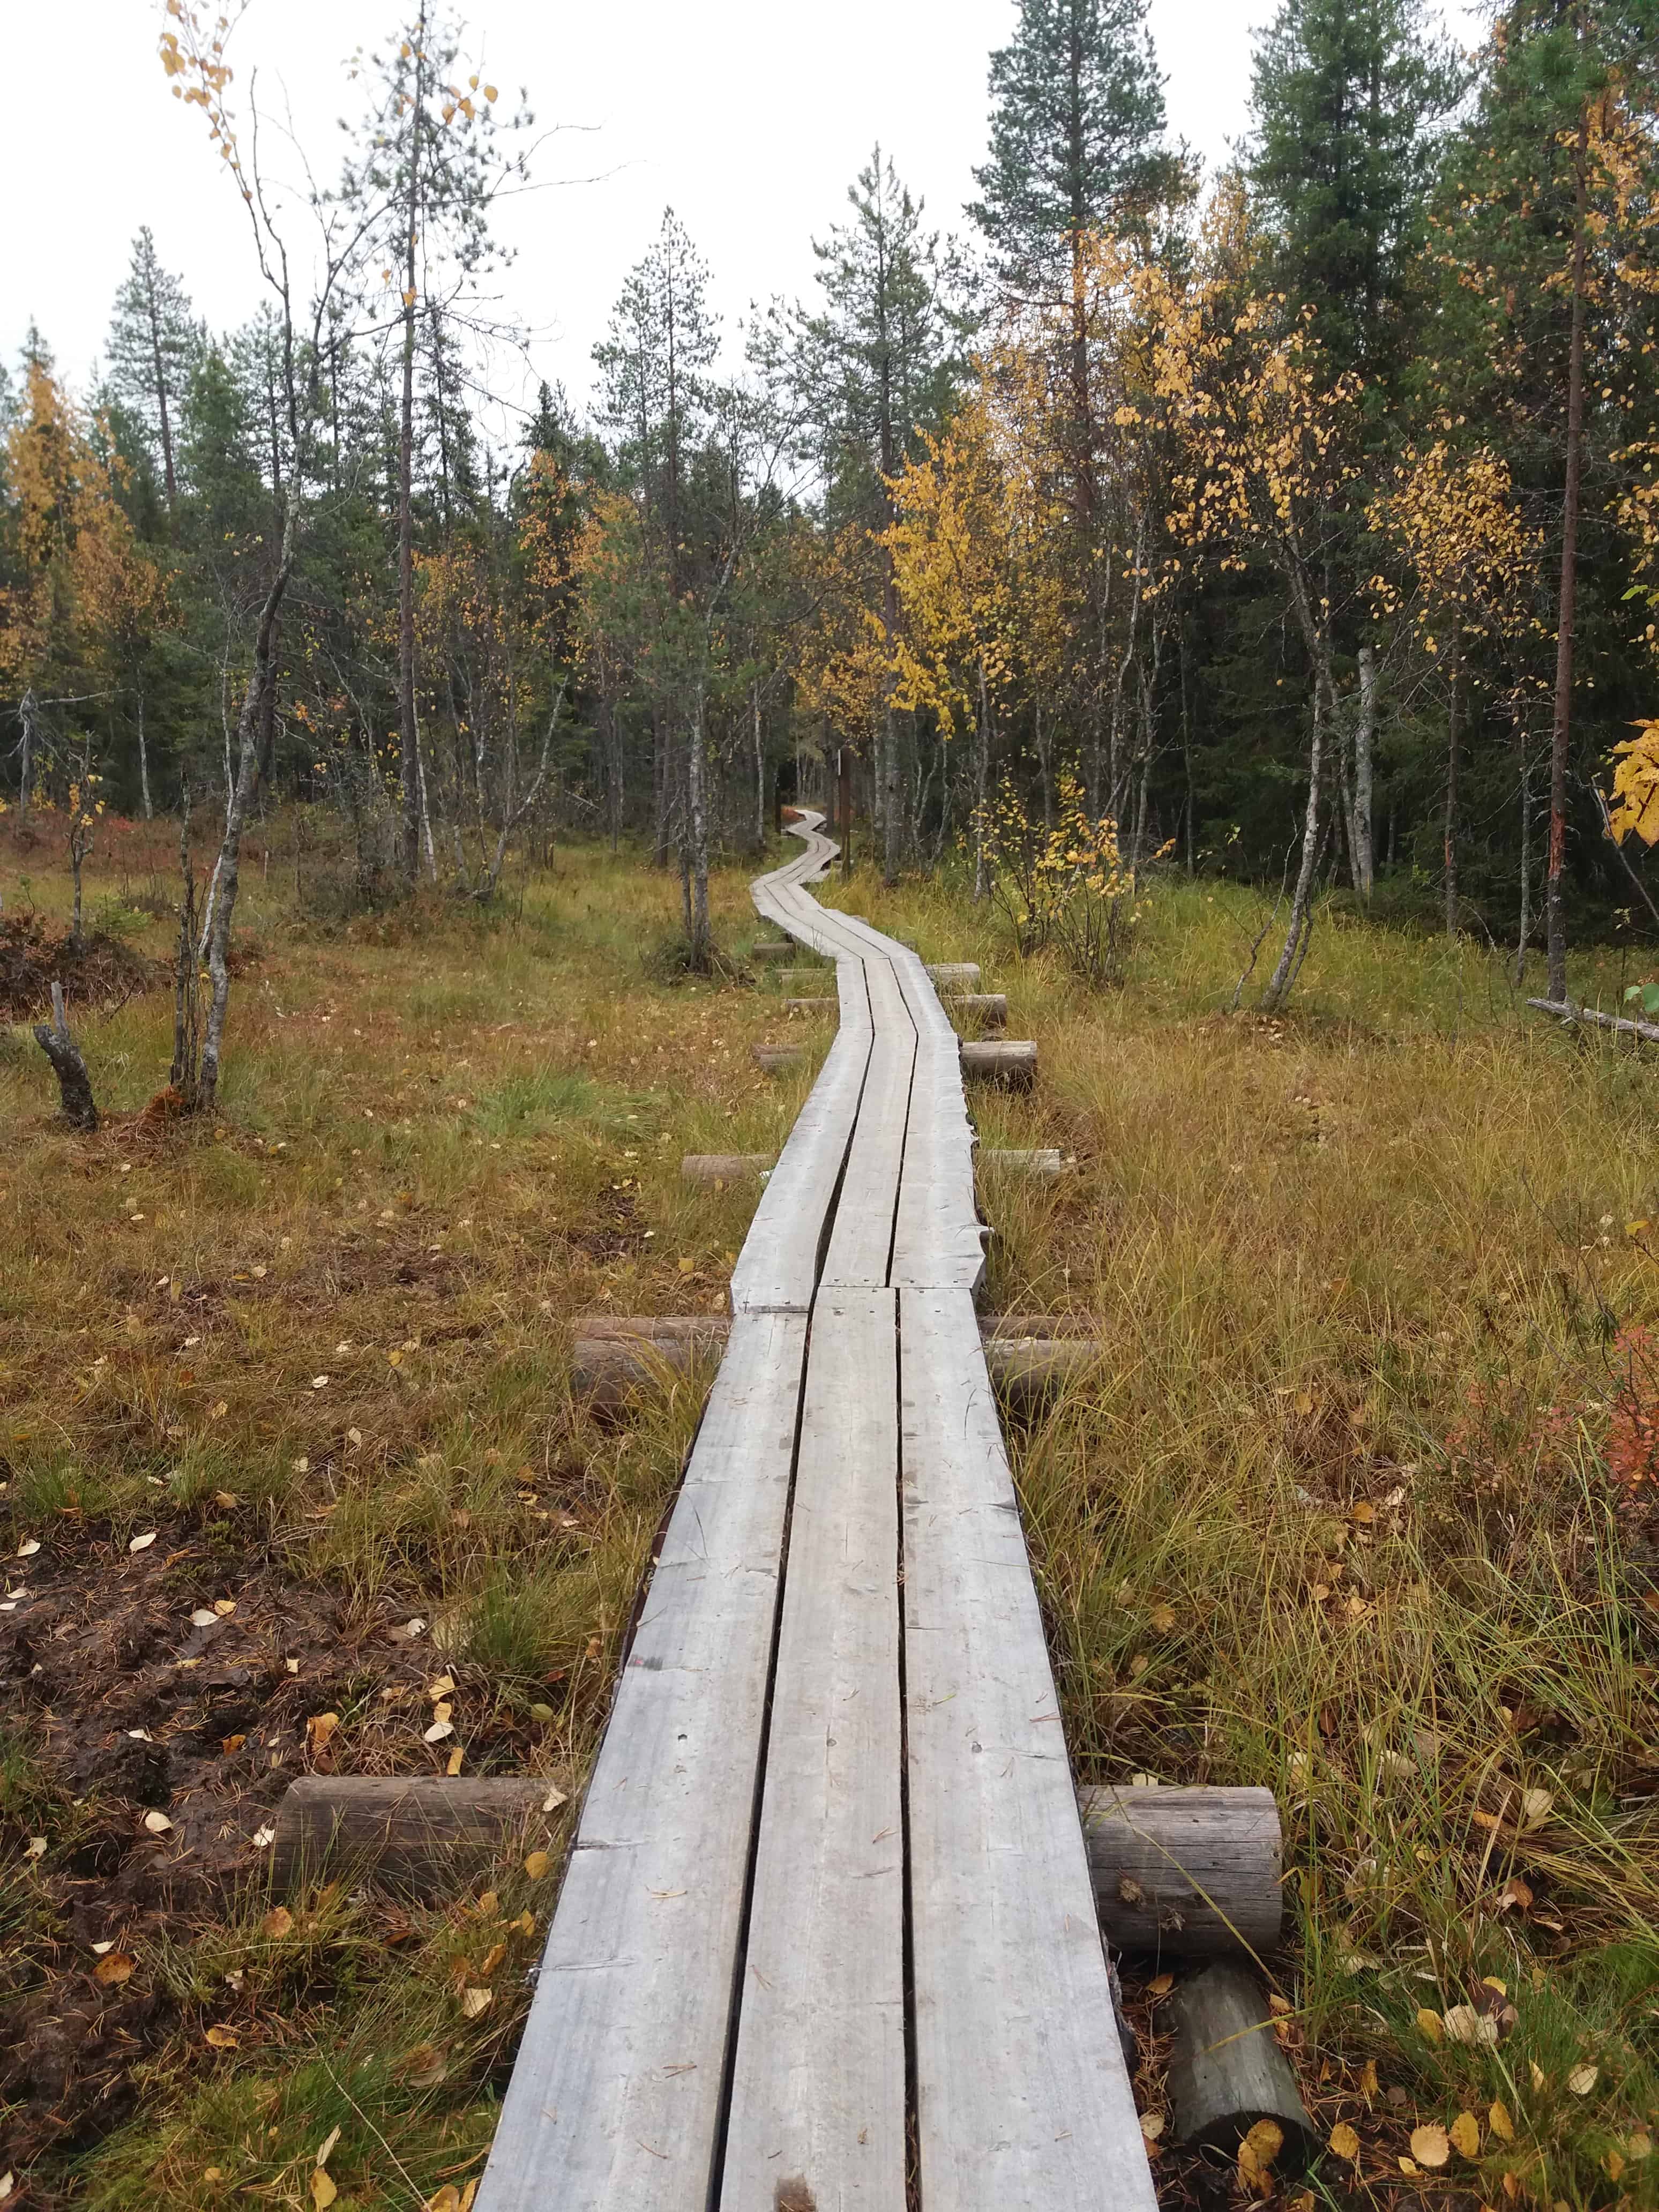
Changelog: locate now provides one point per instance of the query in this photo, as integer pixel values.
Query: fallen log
(991, 1006)
(1564, 1011)
(811, 1006)
(1191, 1873)
(1227, 2073)
(1029, 1357)
(722, 1168)
(1012, 1063)
(427, 1837)
(420, 1837)
(778, 1059)
(1045, 1163)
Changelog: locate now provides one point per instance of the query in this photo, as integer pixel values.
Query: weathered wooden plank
(615, 2099)
(861, 1240)
(777, 1268)
(1023, 2102)
(817, 2105)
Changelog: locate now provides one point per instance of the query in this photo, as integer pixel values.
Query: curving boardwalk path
(827, 1938)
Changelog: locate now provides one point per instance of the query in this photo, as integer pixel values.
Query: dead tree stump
(74, 1084)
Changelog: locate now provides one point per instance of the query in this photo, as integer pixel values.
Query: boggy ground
(1356, 1506)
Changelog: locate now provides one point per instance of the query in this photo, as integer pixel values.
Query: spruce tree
(153, 343)
(1344, 100)
(1076, 119)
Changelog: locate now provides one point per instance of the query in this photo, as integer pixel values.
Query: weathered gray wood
(416, 1836)
(950, 975)
(817, 2101)
(1010, 1061)
(1028, 1357)
(1044, 1163)
(608, 1370)
(811, 1006)
(1180, 1873)
(718, 1168)
(862, 1237)
(777, 1268)
(767, 952)
(780, 1059)
(1594, 1018)
(1227, 2071)
(1023, 2101)
(1190, 1873)
(990, 1007)
(1026, 1371)
(615, 2095)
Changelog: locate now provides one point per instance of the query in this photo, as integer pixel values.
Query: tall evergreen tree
(1345, 96)
(1076, 119)
(153, 344)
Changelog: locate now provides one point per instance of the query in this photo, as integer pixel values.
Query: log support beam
(431, 1836)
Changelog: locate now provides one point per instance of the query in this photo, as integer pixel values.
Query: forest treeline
(1302, 519)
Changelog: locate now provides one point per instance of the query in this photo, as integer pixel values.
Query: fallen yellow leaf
(1583, 2080)
(114, 1968)
(1345, 2142)
(277, 1923)
(475, 2001)
(1430, 2145)
(1501, 2124)
(1428, 2024)
(538, 1865)
(1466, 2135)
(223, 2039)
(323, 2192)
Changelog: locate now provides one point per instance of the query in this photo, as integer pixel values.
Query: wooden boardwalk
(827, 1938)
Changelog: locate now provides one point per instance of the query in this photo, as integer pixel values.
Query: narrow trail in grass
(831, 1846)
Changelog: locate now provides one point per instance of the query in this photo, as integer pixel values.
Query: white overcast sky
(749, 117)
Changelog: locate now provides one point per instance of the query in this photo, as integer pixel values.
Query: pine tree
(153, 343)
(1076, 115)
(1545, 231)
(1345, 98)
(874, 371)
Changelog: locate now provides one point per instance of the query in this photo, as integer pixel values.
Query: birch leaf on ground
(1430, 2145)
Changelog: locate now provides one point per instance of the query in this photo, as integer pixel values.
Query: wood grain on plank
(861, 1241)
(615, 2099)
(1023, 2101)
(817, 2106)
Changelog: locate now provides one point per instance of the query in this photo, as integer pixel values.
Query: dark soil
(123, 1706)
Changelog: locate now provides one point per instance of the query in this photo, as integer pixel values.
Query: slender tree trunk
(982, 788)
(26, 711)
(760, 768)
(1187, 745)
(1561, 732)
(1045, 747)
(263, 672)
(143, 763)
(696, 842)
(1364, 756)
(409, 742)
(1279, 983)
